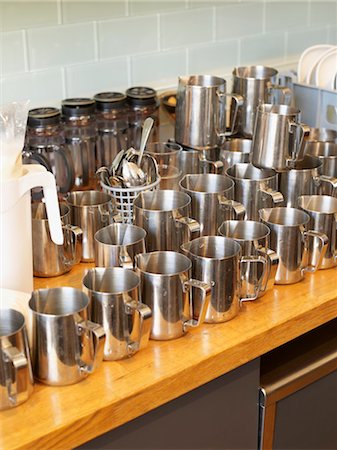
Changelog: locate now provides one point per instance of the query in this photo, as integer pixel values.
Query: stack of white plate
(317, 66)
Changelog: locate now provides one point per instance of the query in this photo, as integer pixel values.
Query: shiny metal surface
(199, 161)
(50, 259)
(91, 211)
(165, 215)
(254, 83)
(278, 138)
(235, 151)
(323, 135)
(255, 188)
(212, 200)
(322, 210)
(253, 238)
(165, 153)
(201, 111)
(114, 303)
(66, 346)
(303, 179)
(166, 287)
(217, 260)
(117, 244)
(327, 153)
(289, 238)
(16, 376)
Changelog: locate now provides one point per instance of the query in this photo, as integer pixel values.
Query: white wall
(50, 50)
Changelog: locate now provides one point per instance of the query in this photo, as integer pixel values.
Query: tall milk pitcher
(16, 181)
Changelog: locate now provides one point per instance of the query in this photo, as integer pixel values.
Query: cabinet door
(222, 414)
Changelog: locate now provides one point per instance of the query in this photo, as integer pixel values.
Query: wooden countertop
(64, 417)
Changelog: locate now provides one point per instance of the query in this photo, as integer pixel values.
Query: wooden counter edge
(111, 416)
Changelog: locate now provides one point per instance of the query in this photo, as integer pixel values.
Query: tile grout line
(96, 41)
(25, 50)
(59, 12)
(64, 82)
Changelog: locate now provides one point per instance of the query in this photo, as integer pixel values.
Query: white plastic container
(16, 258)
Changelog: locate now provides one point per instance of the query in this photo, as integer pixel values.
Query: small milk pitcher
(289, 238)
(322, 210)
(257, 85)
(217, 260)
(165, 216)
(91, 211)
(167, 288)
(255, 188)
(50, 259)
(201, 111)
(67, 347)
(113, 294)
(117, 244)
(212, 200)
(279, 137)
(254, 240)
(16, 376)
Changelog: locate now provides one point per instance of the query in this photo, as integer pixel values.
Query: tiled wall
(53, 49)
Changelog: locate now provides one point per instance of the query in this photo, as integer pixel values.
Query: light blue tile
(299, 40)
(89, 79)
(140, 7)
(186, 28)
(208, 3)
(323, 13)
(237, 20)
(285, 15)
(129, 36)
(214, 59)
(15, 15)
(87, 11)
(12, 52)
(262, 49)
(42, 88)
(56, 46)
(332, 35)
(158, 69)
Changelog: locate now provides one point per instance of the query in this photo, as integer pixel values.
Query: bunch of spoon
(131, 167)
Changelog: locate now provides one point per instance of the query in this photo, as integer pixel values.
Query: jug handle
(257, 287)
(215, 166)
(286, 94)
(301, 131)
(323, 240)
(238, 102)
(272, 265)
(327, 179)
(206, 289)
(76, 251)
(19, 363)
(193, 227)
(38, 176)
(143, 325)
(238, 209)
(276, 197)
(97, 336)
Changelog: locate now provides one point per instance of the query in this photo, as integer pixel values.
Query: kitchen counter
(65, 417)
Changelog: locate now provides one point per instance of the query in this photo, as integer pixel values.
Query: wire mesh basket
(124, 197)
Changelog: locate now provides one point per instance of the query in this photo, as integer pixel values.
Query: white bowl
(326, 71)
(308, 59)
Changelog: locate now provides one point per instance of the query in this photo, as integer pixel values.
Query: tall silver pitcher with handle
(201, 111)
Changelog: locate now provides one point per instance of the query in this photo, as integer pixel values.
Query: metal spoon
(148, 123)
(132, 174)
